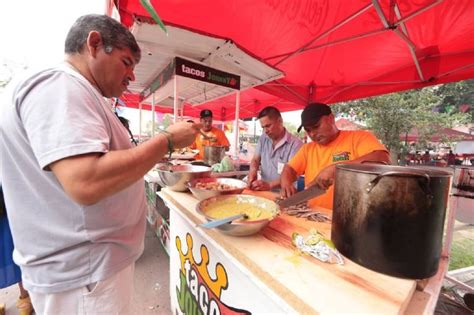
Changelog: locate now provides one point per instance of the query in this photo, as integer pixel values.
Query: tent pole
(402, 34)
(175, 101)
(139, 122)
(236, 124)
(153, 114)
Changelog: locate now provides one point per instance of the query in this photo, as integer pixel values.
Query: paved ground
(151, 282)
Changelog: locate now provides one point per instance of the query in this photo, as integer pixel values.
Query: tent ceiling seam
(347, 39)
(401, 34)
(301, 97)
(324, 34)
(419, 11)
(456, 70)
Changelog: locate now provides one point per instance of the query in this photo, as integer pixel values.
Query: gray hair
(114, 34)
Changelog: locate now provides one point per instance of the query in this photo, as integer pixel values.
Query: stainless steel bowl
(240, 228)
(202, 194)
(175, 176)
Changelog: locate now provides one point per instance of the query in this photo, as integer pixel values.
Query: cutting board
(308, 285)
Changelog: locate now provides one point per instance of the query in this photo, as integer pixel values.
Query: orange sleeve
(193, 146)
(197, 145)
(366, 143)
(222, 139)
(299, 160)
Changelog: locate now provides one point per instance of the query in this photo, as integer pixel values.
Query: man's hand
(287, 178)
(287, 190)
(251, 178)
(183, 133)
(325, 178)
(260, 185)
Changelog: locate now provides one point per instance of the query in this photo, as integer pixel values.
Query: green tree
(392, 115)
(8, 69)
(454, 95)
(291, 128)
(159, 125)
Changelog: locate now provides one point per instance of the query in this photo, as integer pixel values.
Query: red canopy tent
(330, 51)
(346, 124)
(441, 134)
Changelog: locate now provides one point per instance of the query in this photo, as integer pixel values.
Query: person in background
(9, 272)
(317, 160)
(451, 159)
(426, 158)
(275, 148)
(417, 157)
(72, 181)
(126, 123)
(209, 136)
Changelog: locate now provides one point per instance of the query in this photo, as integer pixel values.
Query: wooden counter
(306, 285)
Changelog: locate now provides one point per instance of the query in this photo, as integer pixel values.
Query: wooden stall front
(218, 274)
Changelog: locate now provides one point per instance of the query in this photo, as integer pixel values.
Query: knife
(299, 197)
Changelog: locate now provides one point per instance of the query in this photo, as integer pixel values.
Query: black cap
(205, 113)
(312, 113)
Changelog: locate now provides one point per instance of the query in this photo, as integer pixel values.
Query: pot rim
(377, 169)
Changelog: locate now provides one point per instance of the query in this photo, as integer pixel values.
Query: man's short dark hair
(269, 111)
(114, 34)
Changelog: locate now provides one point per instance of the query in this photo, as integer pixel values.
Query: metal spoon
(201, 132)
(216, 223)
(206, 136)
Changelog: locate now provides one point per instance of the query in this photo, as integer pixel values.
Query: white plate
(185, 156)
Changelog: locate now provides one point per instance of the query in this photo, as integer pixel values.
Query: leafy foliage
(291, 128)
(455, 95)
(392, 115)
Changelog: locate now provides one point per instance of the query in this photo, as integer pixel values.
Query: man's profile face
(206, 123)
(271, 127)
(323, 131)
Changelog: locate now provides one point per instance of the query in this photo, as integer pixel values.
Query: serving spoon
(216, 223)
(202, 132)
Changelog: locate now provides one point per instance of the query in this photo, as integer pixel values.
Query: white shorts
(110, 296)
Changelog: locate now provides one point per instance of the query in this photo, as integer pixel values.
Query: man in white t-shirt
(73, 182)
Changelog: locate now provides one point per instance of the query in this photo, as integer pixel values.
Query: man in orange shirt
(329, 146)
(214, 136)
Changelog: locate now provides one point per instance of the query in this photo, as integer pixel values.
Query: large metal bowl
(202, 194)
(240, 227)
(175, 176)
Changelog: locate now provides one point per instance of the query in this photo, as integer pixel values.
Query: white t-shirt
(59, 244)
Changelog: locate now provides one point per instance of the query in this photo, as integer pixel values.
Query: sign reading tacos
(199, 72)
(198, 292)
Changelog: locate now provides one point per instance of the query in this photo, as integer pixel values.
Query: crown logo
(215, 285)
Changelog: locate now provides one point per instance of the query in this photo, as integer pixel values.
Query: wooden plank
(308, 285)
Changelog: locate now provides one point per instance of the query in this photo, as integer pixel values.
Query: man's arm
(263, 185)
(254, 166)
(326, 177)
(91, 177)
(256, 184)
(222, 140)
(287, 178)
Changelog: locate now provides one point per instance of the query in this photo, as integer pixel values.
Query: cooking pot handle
(425, 186)
(374, 162)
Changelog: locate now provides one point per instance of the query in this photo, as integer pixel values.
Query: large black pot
(390, 218)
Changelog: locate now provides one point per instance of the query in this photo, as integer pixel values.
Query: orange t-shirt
(200, 142)
(313, 157)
